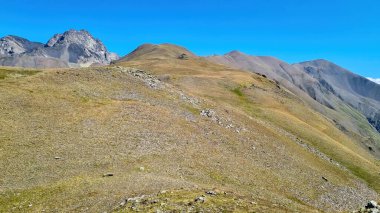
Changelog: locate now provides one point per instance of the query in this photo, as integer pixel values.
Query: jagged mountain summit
(70, 49)
(78, 47)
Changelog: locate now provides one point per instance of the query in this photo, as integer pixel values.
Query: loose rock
(371, 204)
(183, 56)
(108, 175)
(123, 203)
(212, 193)
(208, 113)
(200, 199)
(371, 207)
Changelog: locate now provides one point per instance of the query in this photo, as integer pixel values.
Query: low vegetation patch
(11, 73)
(238, 91)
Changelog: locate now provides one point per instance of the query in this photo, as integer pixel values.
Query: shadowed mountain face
(357, 91)
(291, 77)
(349, 100)
(70, 49)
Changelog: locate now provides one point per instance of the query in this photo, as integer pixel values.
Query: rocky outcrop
(69, 49)
(371, 207)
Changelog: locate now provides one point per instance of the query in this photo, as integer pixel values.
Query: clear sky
(346, 32)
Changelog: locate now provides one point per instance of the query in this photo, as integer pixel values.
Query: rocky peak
(12, 45)
(73, 48)
(73, 36)
(79, 47)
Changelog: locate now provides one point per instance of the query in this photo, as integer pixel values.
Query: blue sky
(345, 32)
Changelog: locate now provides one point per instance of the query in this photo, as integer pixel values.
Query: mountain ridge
(330, 90)
(12, 44)
(69, 49)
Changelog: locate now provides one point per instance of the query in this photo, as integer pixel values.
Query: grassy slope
(9, 72)
(286, 113)
(101, 120)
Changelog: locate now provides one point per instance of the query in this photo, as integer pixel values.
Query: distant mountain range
(336, 88)
(69, 49)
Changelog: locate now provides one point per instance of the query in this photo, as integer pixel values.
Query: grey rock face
(357, 91)
(12, 45)
(69, 49)
(78, 47)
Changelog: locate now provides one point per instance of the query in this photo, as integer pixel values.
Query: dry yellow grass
(107, 120)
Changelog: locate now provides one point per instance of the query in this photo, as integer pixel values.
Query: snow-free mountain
(352, 102)
(72, 48)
